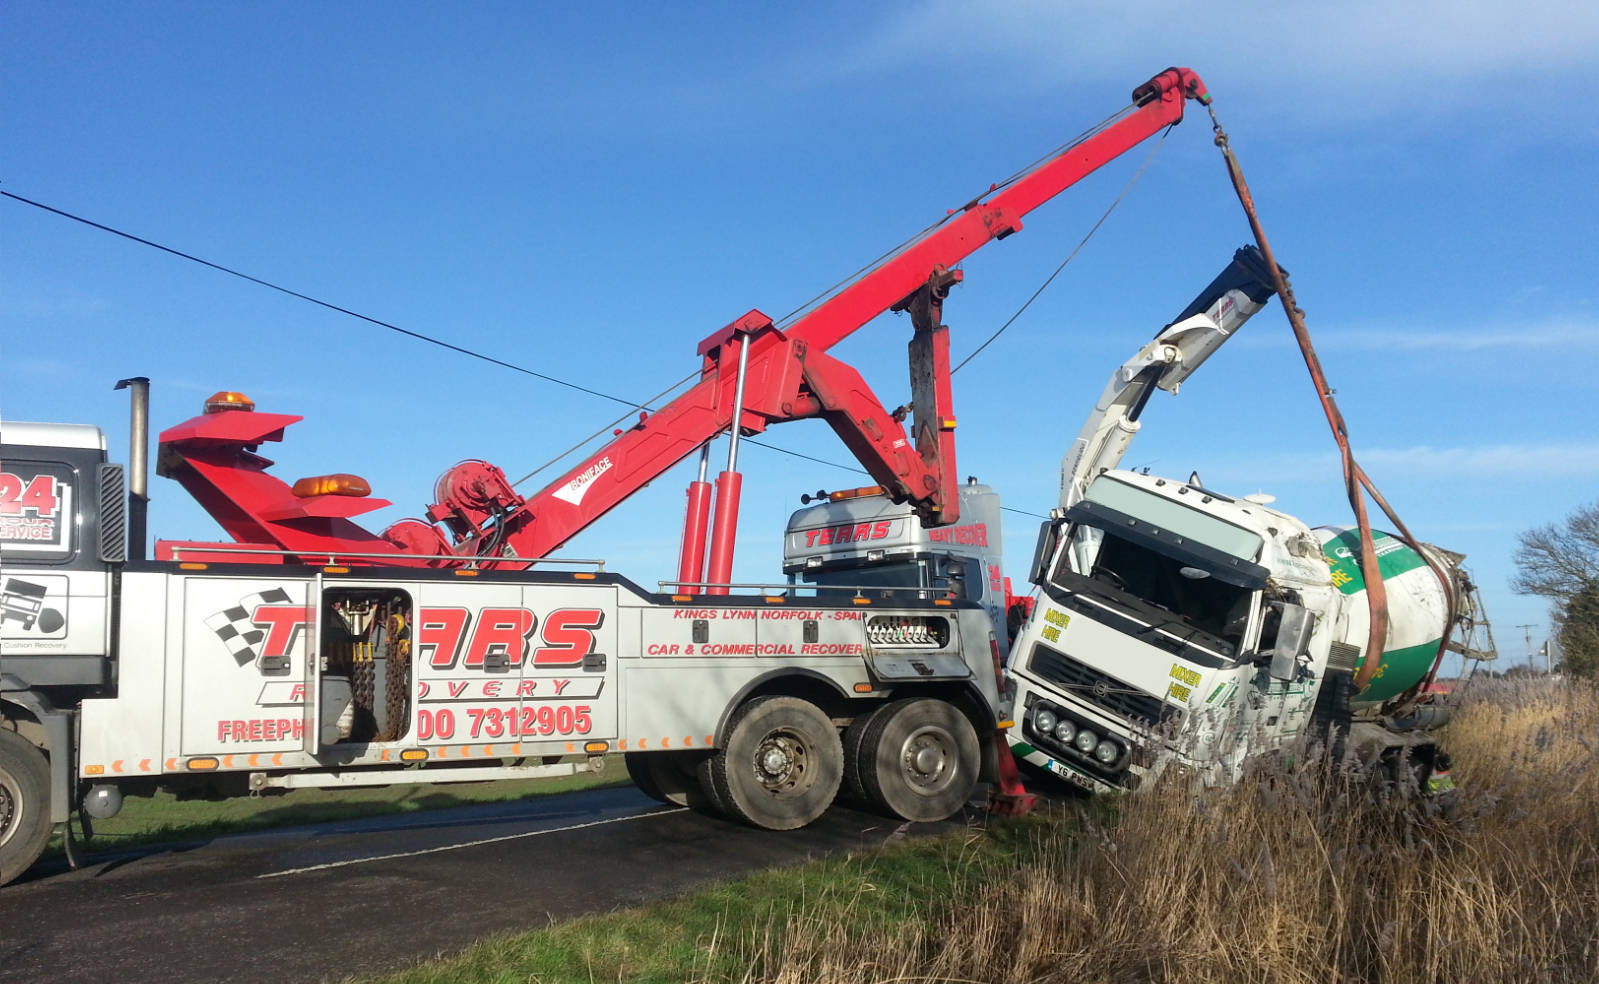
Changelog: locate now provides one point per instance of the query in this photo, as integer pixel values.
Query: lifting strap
(1355, 477)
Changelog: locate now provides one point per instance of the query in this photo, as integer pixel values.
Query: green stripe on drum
(1343, 557)
(1398, 672)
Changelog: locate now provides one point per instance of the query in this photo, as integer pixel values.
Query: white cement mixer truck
(1177, 626)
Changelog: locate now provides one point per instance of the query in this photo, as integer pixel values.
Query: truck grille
(1100, 688)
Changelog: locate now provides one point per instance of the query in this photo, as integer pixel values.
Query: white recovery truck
(1177, 625)
(257, 673)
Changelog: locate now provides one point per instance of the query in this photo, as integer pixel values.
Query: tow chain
(1355, 478)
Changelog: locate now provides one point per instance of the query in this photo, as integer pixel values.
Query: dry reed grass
(1300, 873)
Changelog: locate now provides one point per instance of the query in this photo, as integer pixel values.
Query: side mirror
(1293, 635)
(1044, 552)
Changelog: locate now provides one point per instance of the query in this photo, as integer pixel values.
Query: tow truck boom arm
(753, 373)
(789, 376)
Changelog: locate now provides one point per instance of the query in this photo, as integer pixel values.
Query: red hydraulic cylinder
(728, 484)
(691, 568)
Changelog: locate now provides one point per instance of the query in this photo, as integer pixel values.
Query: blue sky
(589, 190)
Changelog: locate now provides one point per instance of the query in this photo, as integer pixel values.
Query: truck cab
(61, 532)
(858, 539)
(1174, 623)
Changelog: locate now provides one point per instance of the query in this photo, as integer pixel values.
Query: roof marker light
(340, 483)
(228, 400)
(855, 493)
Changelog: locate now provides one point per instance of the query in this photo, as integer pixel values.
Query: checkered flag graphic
(235, 629)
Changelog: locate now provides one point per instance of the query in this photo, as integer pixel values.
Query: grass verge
(709, 934)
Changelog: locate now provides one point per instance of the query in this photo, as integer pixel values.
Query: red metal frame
(788, 376)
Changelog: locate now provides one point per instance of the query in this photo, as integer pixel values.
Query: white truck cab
(1162, 608)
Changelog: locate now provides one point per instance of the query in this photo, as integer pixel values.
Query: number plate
(1070, 775)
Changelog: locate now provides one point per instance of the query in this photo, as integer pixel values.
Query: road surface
(364, 896)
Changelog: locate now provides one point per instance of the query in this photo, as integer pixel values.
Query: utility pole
(1526, 631)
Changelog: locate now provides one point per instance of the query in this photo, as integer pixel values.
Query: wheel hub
(927, 757)
(779, 761)
(8, 808)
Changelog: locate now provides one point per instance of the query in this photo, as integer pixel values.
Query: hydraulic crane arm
(787, 375)
(753, 374)
(1237, 293)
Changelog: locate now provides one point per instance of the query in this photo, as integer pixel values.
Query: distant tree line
(1561, 562)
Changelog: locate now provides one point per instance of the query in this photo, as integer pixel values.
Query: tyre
(713, 800)
(780, 766)
(24, 804)
(919, 759)
(669, 777)
(855, 756)
(638, 770)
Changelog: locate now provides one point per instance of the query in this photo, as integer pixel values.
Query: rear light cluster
(908, 631)
(1053, 728)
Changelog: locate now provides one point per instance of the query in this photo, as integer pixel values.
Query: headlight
(1065, 731)
(1044, 720)
(1086, 740)
(1107, 751)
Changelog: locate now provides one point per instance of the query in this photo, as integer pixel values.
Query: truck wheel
(24, 804)
(781, 765)
(669, 777)
(919, 759)
(857, 757)
(638, 770)
(713, 800)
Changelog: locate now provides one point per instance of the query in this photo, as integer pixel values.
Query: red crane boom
(769, 374)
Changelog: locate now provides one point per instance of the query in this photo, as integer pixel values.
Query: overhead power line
(321, 303)
(630, 404)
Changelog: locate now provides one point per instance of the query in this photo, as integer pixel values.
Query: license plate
(1069, 774)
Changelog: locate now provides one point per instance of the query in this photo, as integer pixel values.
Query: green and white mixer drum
(1418, 607)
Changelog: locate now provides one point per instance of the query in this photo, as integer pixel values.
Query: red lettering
(501, 631)
(810, 537)
(439, 632)
(880, 530)
(38, 498)
(568, 636)
(827, 536)
(282, 624)
(456, 687)
(491, 688)
(297, 693)
(525, 688)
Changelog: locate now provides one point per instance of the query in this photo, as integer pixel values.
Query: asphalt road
(327, 901)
